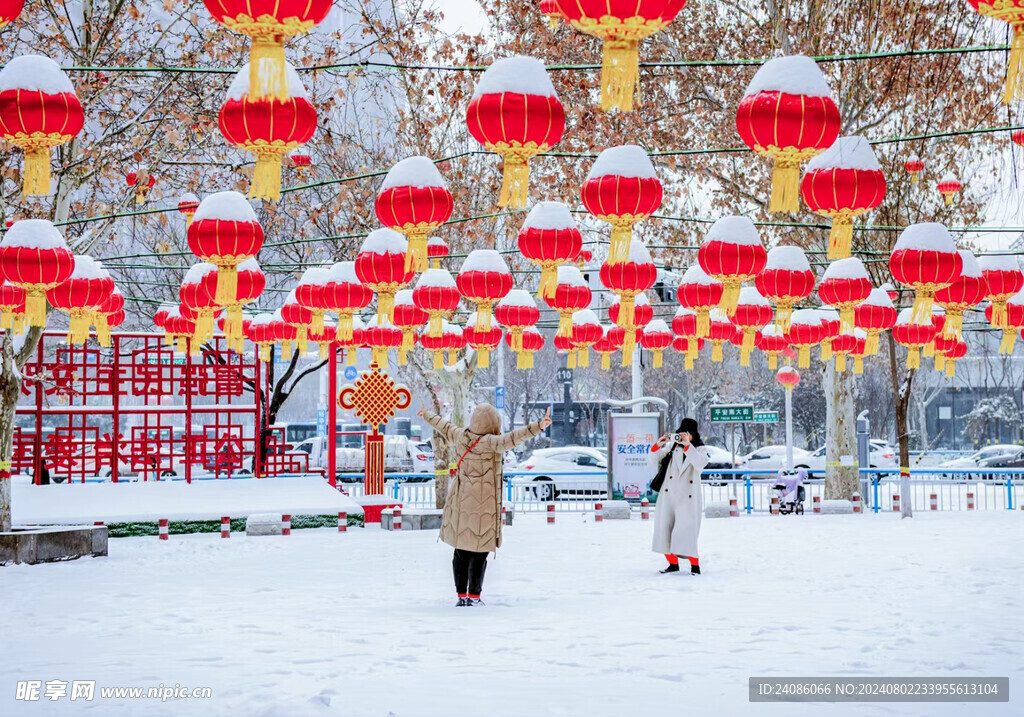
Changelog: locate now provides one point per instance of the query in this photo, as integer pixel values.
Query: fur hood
(485, 420)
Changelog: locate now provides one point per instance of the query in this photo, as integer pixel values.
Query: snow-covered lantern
(622, 189)
(414, 201)
(915, 335)
(531, 342)
(805, 331)
(586, 331)
(732, 252)
(195, 293)
(345, 295)
(516, 312)
(311, 293)
(88, 288)
(844, 285)
(914, 165)
(188, 203)
(572, 293)
(225, 232)
(785, 281)
(1012, 12)
(753, 313)
(34, 256)
(1004, 279)
(409, 318)
(484, 279)
(549, 238)
(949, 186)
(967, 291)
(874, 315)
(608, 344)
(300, 318)
(380, 265)
(482, 341)
(925, 258)
(656, 337)
(381, 338)
(450, 340)
(700, 293)
(436, 251)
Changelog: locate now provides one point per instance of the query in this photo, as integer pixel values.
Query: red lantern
(380, 265)
(620, 26)
(1017, 137)
(643, 312)
(249, 285)
(531, 342)
(952, 351)
(34, 256)
(805, 331)
(10, 9)
(843, 182)
(450, 340)
(196, 292)
(142, 181)
(771, 341)
(926, 259)
(269, 23)
(892, 291)
(721, 331)
(39, 110)
(409, 318)
(549, 238)
(732, 253)
(115, 319)
(483, 342)
(627, 280)
(345, 295)
(753, 313)
(622, 189)
(786, 280)
(549, 9)
(243, 321)
(285, 331)
(844, 285)
(1013, 321)
(516, 312)
(571, 295)
(160, 320)
(300, 319)
(875, 315)
(913, 335)
(789, 377)
(381, 338)
(88, 288)
(1004, 279)
(324, 339)
(260, 331)
(586, 331)
(684, 326)
(842, 345)
(12, 304)
(484, 279)
(1012, 12)
(436, 251)
(914, 166)
(187, 205)
(225, 232)
(354, 340)
(437, 295)
(701, 293)
(967, 291)
(414, 201)
(858, 351)
(948, 187)
(181, 327)
(515, 112)
(787, 113)
(311, 293)
(656, 337)
(268, 127)
(608, 344)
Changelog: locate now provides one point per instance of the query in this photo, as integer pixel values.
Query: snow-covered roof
(518, 74)
(415, 171)
(226, 206)
(35, 73)
(847, 153)
(484, 260)
(734, 230)
(794, 75)
(34, 234)
(628, 160)
(384, 241)
(927, 236)
(239, 86)
(788, 258)
(549, 215)
(849, 268)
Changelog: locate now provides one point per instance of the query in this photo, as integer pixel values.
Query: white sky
(461, 15)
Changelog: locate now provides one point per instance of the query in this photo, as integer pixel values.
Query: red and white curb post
(645, 509)
(970, 501)
(933, 502)
(896, 502)
(164, 530)
(286, 524)
(551, 513)
(857, 508)
(225, 527)
(817, 505)
(396, 521)
(598, 512)
(342, 522)
(774, 507)
(734, 509)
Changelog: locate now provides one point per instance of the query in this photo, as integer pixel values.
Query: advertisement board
(631, 465)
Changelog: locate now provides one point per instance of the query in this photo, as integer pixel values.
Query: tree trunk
(922, 425)
(10, 387)
(842, 479)
(901, 394)
(457, 383)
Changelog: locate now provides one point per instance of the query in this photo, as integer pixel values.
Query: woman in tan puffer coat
(472, 510)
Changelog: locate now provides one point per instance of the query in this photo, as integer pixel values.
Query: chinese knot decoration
(374, 398)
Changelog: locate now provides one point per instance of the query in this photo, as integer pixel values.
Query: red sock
(475, 597)
(462, 595)
(693, 561)
(672, 559)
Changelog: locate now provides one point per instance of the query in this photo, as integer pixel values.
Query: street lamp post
(789, 377)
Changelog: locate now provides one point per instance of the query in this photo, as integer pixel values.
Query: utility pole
(638, 379)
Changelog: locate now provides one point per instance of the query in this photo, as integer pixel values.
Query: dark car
(1006, 460)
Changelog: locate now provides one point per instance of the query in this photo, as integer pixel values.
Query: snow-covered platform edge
(175, 500)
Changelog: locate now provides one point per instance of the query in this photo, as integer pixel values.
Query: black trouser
(469, 568)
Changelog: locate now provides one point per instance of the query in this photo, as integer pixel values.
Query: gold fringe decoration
(658, 359)
(783, 313)
(351, 355)
(840, 237)
(548, 281)
(266, 178)
(703, 323)
(954, 325)
(773, 360)
(785, 186)
(716, 352)
(483, 357)
(826, 351)
(606, 360)
(484, 310)
(565, 324)
(583, 357)
(102, 329)
(227, 284)
(35, 307)
(385, 306)
(267, 75)
(344, 331)
(804, 360)
(620, 69)
(622, 236)
(950, 369)
(940, 361)
(913, 357)
(1009, 340)
(841, 361)
(730, 296)
(570, 359)
(36, 177)
(416, 255)
(858, 365)
(928, 350)
(1015, 70)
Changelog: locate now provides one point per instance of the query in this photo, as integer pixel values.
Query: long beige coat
(472, 511)
(680, 507)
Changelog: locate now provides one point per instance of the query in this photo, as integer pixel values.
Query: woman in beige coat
(472, 511)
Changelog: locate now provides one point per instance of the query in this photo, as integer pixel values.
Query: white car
(569, 469)
(771, 458)
(881, 455)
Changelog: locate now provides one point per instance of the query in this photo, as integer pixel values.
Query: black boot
(463, 602)
(672, 568)
(694, 570)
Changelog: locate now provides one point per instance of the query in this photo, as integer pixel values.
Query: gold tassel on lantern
(1015, 70)
(323, 349)
(841, 362)
(265, 353)
(783, 313)
(871, 343)
(483, 357)
(267, 75)
(950, 369)
(606, 360)
(317, 325)
(521, 360)
(102, 329)
(565, 325)
(692, 348)
(657, 358)
(688, 363)
(948, 196)
(627, 356)
(773, 361)
(548, 281)
(379, 356)
(515, 175)
(929, 350)
(1009, 341)
(286, 351)
(858, 365)
(344, 331)
(940, 361)
(350, 356)
(730, 296)
(583, 357)
(385, 307)
(232, 321)
(804, 360)
(913, 357)
(36, 175)
(517, 339)
(785, 183)
(954, 325)
(622, 237)
(266, 178)
(846, 318)
(408, 340)
(35, 307)
(434, 326)
(302, 339)
(716, 352)
(79, 328)
(744, 356)
(204, 326)
(826, 351)
(182, 344)
(570, 359)
(416, 255)
(840, 237)
(227, 285)
(620, 68)
(453, 357)
(922, 309)
(628, 345)
(483, 316)
(703, 323)
(749, 336)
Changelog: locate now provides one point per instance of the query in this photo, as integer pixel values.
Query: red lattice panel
(23, 451)
(155, 372)
(70, 451)
(156, 449)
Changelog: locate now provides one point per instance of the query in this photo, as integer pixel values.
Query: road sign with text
(735, 413)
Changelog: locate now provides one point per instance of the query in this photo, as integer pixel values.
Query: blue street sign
(321, 422)
(350, 373)
(499, 397)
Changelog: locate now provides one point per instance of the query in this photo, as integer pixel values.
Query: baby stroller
(790, 491)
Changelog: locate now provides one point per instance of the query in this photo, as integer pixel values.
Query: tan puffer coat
(472, 511)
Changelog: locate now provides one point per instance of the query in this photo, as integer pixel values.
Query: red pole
(225, 527)
(37, 441)
(343, 522)
(115, 431)
(257, 463)
(286, 524)
(332, 416)
(189, 443)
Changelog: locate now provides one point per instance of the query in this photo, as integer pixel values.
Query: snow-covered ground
(577, 620)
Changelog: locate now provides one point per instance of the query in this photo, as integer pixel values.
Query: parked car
(575, 461)
(720, 459)
(977, 458)
(771, 458)
(881, 455)
(1004, 460)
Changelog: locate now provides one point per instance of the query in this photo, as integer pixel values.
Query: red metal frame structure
(140, 407)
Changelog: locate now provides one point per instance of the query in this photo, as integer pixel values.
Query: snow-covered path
(577, 620)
